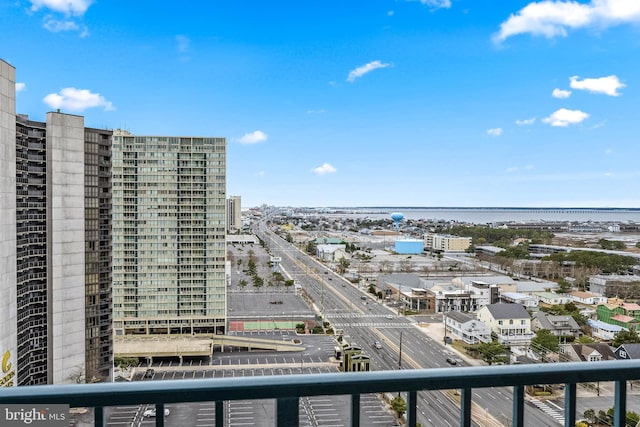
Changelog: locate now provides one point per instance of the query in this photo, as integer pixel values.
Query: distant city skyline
(384, 103)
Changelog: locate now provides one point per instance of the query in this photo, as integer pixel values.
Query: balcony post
(570, 405)
(620, 404)
(465, 408)
(98, 416)
(518, 406)
(355, 410)
(287, 412)
(412, 403)
(219, 413)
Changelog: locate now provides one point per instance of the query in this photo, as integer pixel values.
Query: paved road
(364, 323)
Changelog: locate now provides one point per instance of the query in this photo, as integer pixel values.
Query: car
(389, 316)
(152, 412)
(377, 344)
(149, 373)
(452, 361)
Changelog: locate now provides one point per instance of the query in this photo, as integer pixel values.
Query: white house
(466, 328)
(604, 331)
(552, 298)
(588, 298)
(331, 253)
(510, 322)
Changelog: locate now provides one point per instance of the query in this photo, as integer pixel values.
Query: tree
(258, 282)
(625, 337)
(242, 283)
(312, 247)
(545, 342)
(398, 405)
(493, 352)
(343, 264)
(589, 415)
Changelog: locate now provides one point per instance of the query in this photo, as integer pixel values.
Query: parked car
(377, 344)
(152, 412)
(149, 373)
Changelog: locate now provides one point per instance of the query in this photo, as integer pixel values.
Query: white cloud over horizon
(364, 69)
(77, 100)
(67, 8)
(254, 137)
(494, 131)
(324, 169)
(552, 18)
(564, 117)
(604, 85)
(561, 93)
(525, 122)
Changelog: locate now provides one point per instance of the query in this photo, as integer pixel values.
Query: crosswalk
(549, 410)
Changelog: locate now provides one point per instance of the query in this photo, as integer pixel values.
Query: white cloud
(494, 131)
(20, 87)
(554, 18)
(564, 117)
(321, 111)
(253, 138)
(55, 26)
(526, 122)
(390, 13)
(437, 4)
(606, 85)
(512, 169)
(68, 7)
(364, 69)
(560, 93)
(77, 100)
(324, 169)
(608, 151)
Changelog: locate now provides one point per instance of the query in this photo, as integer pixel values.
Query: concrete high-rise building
(169, 230)
(59, 286)
(8, 291)
(234, 214)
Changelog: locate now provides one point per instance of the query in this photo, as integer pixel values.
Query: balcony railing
(288, 389)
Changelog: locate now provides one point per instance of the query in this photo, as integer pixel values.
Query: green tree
(242, 283)
(493, 352)
(398, 405)
(343, 264)
(258, 282)
(545, 342)
(625, 337)
(589, 415)
(312, 247)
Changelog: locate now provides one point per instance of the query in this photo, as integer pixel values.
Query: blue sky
(354, 103)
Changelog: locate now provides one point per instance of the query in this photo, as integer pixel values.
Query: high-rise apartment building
(169, 230)
(8, 299)
(234, 214)
(59, 286)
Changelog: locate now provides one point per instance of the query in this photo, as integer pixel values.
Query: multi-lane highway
(365, 321)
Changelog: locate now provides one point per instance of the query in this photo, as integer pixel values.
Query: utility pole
(400, 353)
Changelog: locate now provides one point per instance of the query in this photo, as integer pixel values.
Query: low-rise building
(552, 298)
(588, 298)
(560, 326)
(615, 285)
(604, 331)
(446, 243)
(626, 315)
(527, 301)
(592, 352)
(510, 322)
(465, 327)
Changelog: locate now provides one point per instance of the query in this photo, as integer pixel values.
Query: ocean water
(491, 215)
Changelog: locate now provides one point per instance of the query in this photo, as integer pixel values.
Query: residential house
(592, 352)
(604, 331)
(628, 351)
(465, 327)
(588, 298)
(560, 326)
(622, 314)
(332, 253)
(551, 298)
(510, 322)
